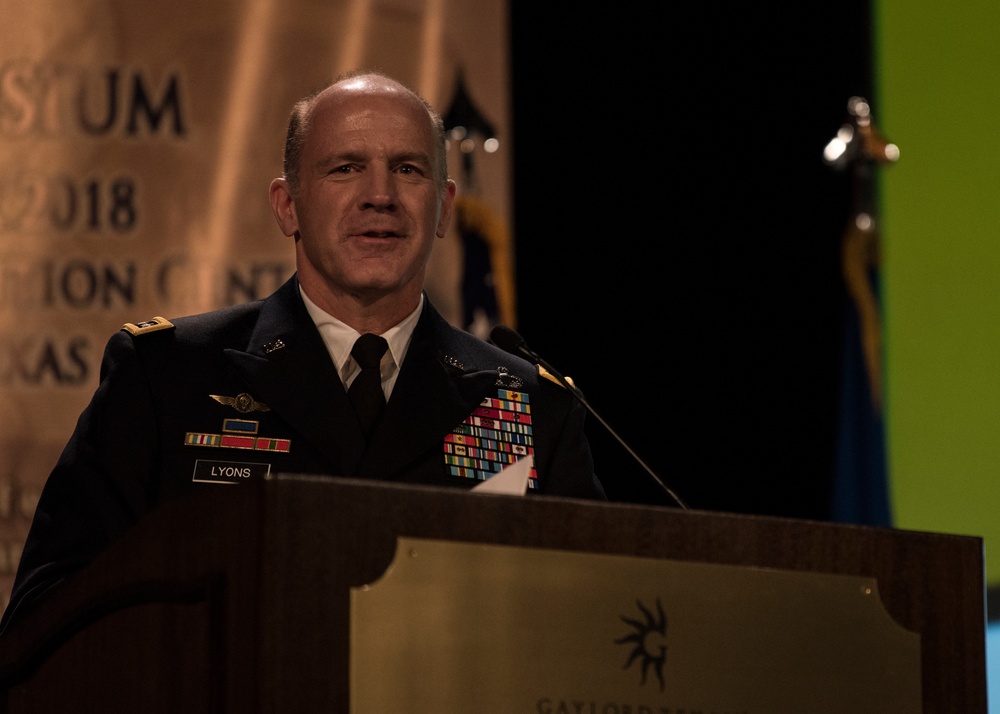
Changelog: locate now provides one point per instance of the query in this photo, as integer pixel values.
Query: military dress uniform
(250, 390)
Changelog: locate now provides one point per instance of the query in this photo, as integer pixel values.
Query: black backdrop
(678, 233)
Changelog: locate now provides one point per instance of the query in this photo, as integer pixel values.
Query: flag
(860, 489)
(860, 480)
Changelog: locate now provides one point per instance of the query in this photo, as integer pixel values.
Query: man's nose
(379, 190)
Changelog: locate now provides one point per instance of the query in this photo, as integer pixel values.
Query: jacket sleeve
(101, 484)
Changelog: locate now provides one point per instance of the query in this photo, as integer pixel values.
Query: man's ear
(283, 206)
(447, 204)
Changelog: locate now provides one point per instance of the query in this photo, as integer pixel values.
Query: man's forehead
(370, 107)
(363, 83)
(362, 89)
(388, 116)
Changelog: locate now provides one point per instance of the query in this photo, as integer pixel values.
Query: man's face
(369, 203)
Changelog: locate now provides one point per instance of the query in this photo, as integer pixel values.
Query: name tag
(228, 471)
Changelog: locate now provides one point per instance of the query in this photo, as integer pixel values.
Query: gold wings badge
(243, 403)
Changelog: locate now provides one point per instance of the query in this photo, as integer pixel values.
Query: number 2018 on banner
(38, 204)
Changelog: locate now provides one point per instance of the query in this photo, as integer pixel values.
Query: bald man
(232, 395)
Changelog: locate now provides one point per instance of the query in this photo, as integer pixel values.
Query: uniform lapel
(438, 387)
(287, 364)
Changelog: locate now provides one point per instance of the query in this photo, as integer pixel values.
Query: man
(262, 388)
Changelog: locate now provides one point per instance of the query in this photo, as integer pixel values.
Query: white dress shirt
(339, 339)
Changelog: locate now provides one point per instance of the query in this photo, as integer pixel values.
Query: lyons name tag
(228, 471)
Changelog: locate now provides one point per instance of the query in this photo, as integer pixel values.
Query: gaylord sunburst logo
(648, 642)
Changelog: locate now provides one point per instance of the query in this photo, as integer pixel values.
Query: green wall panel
(937, 71)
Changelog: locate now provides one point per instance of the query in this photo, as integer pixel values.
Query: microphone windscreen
(507, 339)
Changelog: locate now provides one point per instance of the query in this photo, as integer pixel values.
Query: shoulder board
(542, 372)
(157, 323)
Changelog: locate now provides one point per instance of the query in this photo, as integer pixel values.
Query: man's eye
(345, 169)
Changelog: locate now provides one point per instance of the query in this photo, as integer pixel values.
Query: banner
(137, 142)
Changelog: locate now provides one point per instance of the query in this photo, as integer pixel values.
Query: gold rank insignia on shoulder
(141, 328)
(242, 402)
(542, 372)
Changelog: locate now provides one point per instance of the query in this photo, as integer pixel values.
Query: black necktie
(366, 393)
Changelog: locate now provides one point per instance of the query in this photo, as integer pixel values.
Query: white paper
(512, 481)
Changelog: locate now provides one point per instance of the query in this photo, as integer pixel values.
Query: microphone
(510, 341)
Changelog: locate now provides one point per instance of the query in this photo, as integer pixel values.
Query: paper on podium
(512, 481)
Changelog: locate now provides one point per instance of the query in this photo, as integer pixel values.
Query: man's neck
(364, 312)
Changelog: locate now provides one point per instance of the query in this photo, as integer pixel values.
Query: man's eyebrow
(341, 157)
(338, 157)
(411, 157)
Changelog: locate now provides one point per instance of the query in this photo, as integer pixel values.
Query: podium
(310, 594)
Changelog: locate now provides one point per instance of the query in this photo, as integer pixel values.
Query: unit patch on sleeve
(495, 435)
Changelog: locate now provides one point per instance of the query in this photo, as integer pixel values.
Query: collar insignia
(451, 361)
(242, 402)
(273, 346)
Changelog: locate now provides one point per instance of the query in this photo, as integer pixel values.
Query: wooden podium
(248, 599)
